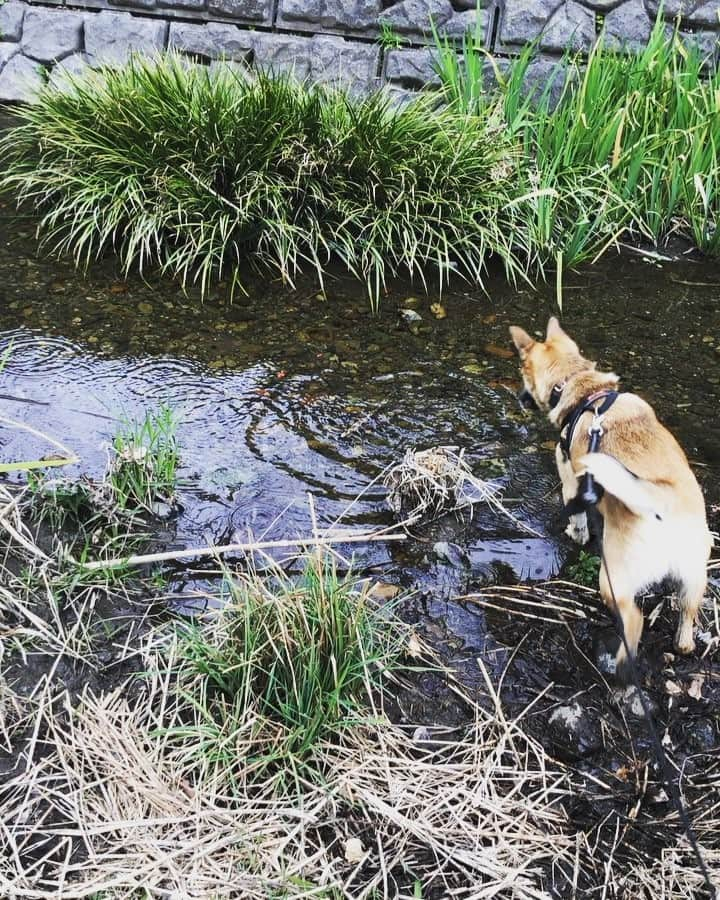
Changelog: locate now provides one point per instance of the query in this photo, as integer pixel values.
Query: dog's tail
(641, 497)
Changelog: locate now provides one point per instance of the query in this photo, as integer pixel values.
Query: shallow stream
(287, 393)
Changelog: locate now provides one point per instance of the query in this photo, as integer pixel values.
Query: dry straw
(427, 484)
(115, 808)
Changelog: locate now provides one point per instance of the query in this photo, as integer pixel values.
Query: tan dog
(652, 507)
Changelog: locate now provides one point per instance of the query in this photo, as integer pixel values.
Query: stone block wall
(361, 43)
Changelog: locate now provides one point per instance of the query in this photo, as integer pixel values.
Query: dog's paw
(577, 530)
(684, 641)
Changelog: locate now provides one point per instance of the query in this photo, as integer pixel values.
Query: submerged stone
(574, 731)
(452, 554)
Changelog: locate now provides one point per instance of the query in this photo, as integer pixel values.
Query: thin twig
(247, 547)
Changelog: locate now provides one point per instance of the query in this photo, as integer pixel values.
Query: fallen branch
(248, 547)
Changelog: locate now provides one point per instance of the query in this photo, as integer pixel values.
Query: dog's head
(546, 364)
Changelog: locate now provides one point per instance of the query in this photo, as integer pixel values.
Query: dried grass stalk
(114, 807)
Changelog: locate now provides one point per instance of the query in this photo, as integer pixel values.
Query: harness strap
(589, 493)
(569, 423)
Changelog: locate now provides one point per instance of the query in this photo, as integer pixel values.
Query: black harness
(589, 493)
(570, 421)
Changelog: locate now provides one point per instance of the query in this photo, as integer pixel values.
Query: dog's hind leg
(577, 528)
(621, 600)
(691, 597)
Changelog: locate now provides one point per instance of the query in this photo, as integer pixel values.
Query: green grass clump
(208, 174)
(288, 663)
(631, 143)
(585, 570)
(143, 471)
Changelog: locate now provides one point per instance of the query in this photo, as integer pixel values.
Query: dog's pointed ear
(554, 329)
(522, 340)
(556, 332)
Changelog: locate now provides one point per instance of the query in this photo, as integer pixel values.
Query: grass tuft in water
(141, 474)
(211, 176)
(143, 471)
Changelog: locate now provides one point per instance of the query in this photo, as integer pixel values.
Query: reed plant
(621, 142)
(210, 175)
(143, 471)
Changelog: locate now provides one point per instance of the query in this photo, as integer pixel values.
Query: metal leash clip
(596, 430)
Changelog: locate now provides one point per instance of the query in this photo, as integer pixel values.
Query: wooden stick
(350, 538)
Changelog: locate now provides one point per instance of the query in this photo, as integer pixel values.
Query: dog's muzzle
(527, 401)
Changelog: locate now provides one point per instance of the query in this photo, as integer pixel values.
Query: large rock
(523, 20)
(7, 51)
(559, 25)
(64, 72)
(705, 41)
(707, 14)
(20, 79)
(628, 27)
(413, 68)
(547, 74)
(350, 64)
(110, 37)
(339, 15)
(11, 19)
(570, 27)
(417, 16)
(135, 4)
(212, 41)
(696, 12)
(473, 22)
(284, 53)
(242, 10)
(183, 4)
(49, 35)
(326, 58)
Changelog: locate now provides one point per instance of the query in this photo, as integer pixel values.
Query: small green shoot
(143, 471)
(389, 38)
(585, 569)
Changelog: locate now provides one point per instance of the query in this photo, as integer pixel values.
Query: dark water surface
(288, 392)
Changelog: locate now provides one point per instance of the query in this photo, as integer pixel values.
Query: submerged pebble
(411, 319)
(574, 731)
(452, 554)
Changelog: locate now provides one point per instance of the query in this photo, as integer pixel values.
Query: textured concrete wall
(333, 40)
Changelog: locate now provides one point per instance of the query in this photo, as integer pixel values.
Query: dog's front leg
(577, 528)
